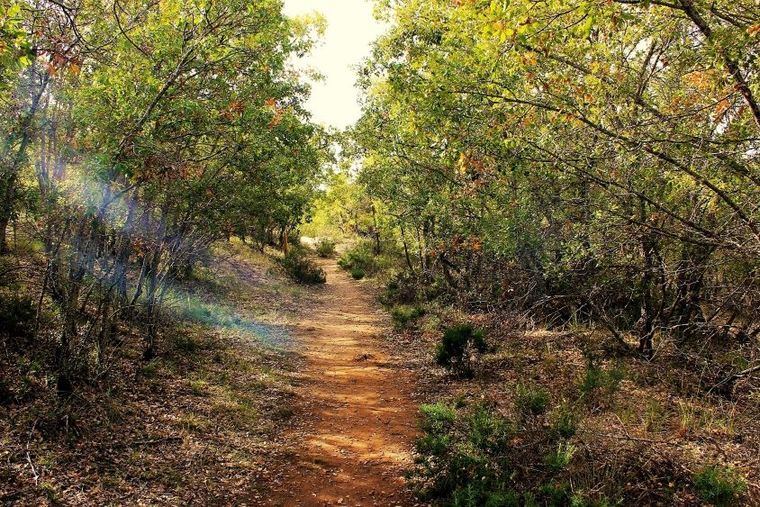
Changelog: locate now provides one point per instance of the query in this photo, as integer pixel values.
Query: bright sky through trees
(351, 29)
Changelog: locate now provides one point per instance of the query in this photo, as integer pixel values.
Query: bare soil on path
(356, 417)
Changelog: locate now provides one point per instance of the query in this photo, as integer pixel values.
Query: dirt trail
(358, 419)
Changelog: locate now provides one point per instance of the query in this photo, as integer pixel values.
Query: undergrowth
(302, 269)
(458, 346)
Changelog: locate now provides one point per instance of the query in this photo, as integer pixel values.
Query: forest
(528, 274)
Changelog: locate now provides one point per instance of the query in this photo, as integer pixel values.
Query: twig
(28, 456)
(147, 442)
(736, 376)
(34, 471)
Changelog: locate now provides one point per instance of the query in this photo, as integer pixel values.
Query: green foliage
(559, 458)
(565, 422)
(437, 418)
(461, 456)
(400, 289)
(719, 485)
(556, 494)
(403, 315)
(474, 456)
(357, 273)
(325, 247)
(477, 113)
(531, 400)
(302, 269)
(359, 259)
(599, 382)
(457, 345)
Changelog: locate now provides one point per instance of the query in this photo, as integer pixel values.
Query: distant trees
(139, 133)
(587, 159)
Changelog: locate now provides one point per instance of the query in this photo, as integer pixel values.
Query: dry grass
(198, 424)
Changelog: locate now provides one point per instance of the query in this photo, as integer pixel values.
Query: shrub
(461, 456)
(556, 493)
(360, 259)
(17, 315)
(302, 269)
(531, 400)
(457, 346)
(403, 314)
(401, 289)
(326, 247)
(472, 456)
(436, 422)
(357, 273)
(719, 485)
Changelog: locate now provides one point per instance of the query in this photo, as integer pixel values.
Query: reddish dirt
(358, 418)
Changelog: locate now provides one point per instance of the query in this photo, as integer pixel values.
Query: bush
(401, 289)
(17, 314)
(473, 456)
(359, 259)
(719, 485)
(302, 269)
(461, 456)
(326, 248)
(457, 346)
(402, 315)
(437, 417)
(357, 273)
(531, 400)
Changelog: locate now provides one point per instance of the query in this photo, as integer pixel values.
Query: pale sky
(350, 31)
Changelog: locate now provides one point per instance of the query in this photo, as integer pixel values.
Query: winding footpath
(358, 420)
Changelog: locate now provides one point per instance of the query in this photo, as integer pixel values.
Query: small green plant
(531, 400)
(325, 248)
(357, 273)
(437, 420)
(487, 429)
(719, 485)
(199, 387)
(302, 269)
(565, 422)
(558, 459)
(601, 384)
(150, 369)
(556, 493)
(48, 491)
(437, 417)
(457, 346)
(403, 315)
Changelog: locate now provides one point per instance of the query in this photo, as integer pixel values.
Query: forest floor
(263, 392)
(266, 392)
